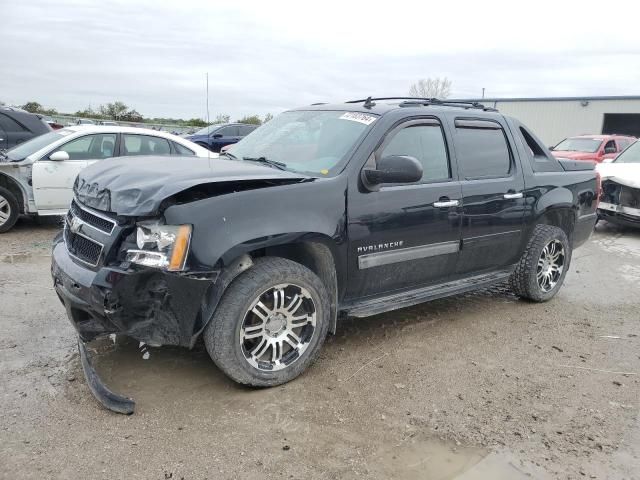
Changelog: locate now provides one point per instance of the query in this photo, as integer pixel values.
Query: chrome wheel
(278, 327)
(5, 210)
(550, 265)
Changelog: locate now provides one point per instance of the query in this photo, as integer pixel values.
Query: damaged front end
(620, 203)
(113, 279)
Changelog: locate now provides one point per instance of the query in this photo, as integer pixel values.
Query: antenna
(208, 120)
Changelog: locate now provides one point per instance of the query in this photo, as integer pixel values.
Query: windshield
(22, 151)
(207, 130)
(305, 141)
(586, 145)
(630, 155)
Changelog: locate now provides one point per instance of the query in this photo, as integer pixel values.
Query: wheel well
(318, 258)
(13, 187)
(563, 218)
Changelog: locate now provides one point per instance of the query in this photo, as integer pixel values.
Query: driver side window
(90, 147)
(426, 144)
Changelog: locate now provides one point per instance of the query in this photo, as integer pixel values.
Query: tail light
(598, 188)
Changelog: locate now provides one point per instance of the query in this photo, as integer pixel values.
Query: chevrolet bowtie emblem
(75, 225)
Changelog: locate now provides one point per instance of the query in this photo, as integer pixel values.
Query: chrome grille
(93, 219)
(81, 247)
(79, 227)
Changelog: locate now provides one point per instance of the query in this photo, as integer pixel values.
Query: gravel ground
(476, 386)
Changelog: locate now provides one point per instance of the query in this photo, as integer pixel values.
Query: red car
(592, 147)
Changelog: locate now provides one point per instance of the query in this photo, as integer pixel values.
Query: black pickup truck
(326, 211)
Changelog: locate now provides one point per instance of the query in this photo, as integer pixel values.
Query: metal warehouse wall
(553, 120)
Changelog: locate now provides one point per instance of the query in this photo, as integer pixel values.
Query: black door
(492, 195)
(406, 235)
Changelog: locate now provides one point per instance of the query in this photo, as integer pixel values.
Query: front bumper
(620, 214)
(152, 306)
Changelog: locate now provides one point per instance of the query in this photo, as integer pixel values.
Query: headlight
(161, 246)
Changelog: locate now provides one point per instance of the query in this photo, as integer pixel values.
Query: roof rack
(415, 101)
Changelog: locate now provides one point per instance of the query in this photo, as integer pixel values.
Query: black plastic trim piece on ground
(112, 401)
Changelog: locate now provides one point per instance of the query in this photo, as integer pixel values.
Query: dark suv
(326, 211)
(17, 126)
(215, 137)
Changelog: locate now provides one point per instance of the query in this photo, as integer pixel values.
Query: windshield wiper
(266, 161)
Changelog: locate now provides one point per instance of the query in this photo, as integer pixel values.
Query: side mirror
(552, 147)
(217, 135)
(59, 156)
(393, 169)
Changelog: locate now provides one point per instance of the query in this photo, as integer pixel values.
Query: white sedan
(36, 177)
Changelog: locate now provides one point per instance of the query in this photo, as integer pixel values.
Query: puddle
(429, 459)
(153, 376)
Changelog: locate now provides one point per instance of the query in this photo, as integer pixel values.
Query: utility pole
(483, 92)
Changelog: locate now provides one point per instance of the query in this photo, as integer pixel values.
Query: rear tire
(543, 266)
(270, 324)
(9, 210)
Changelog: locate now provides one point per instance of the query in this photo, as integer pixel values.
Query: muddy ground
(475, 386)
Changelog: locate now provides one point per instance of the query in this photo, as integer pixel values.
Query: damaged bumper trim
(612, 207)
(111, 401)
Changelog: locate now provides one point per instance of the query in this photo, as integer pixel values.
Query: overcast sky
(267, 56)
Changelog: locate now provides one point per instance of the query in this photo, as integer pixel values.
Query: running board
(374, 306)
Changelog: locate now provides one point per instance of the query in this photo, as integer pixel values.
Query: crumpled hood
(138, 185)
(623, 173)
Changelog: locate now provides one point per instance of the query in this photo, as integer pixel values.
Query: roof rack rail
(414, 101)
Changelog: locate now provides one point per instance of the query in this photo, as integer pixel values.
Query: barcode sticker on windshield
(359, 117)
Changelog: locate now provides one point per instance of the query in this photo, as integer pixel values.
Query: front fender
(227, 226)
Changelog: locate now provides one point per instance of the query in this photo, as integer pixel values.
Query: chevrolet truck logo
(75, 225)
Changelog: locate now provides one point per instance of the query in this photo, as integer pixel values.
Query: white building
(554, 119)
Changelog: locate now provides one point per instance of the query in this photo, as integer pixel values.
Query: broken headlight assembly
(161, 246)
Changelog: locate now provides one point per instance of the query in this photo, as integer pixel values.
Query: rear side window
(180, 150)
(481, 149)
(10, 125)
(247, 129)
(426, 144)
(145, 145)
(228, 131)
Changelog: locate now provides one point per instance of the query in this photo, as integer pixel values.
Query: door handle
(446, 203)
(511, 196)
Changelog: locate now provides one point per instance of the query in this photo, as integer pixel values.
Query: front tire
(8, 210)
(543, 266)
(270, 324)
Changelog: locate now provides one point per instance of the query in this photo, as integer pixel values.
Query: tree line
(425, 88)
(119, 111)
